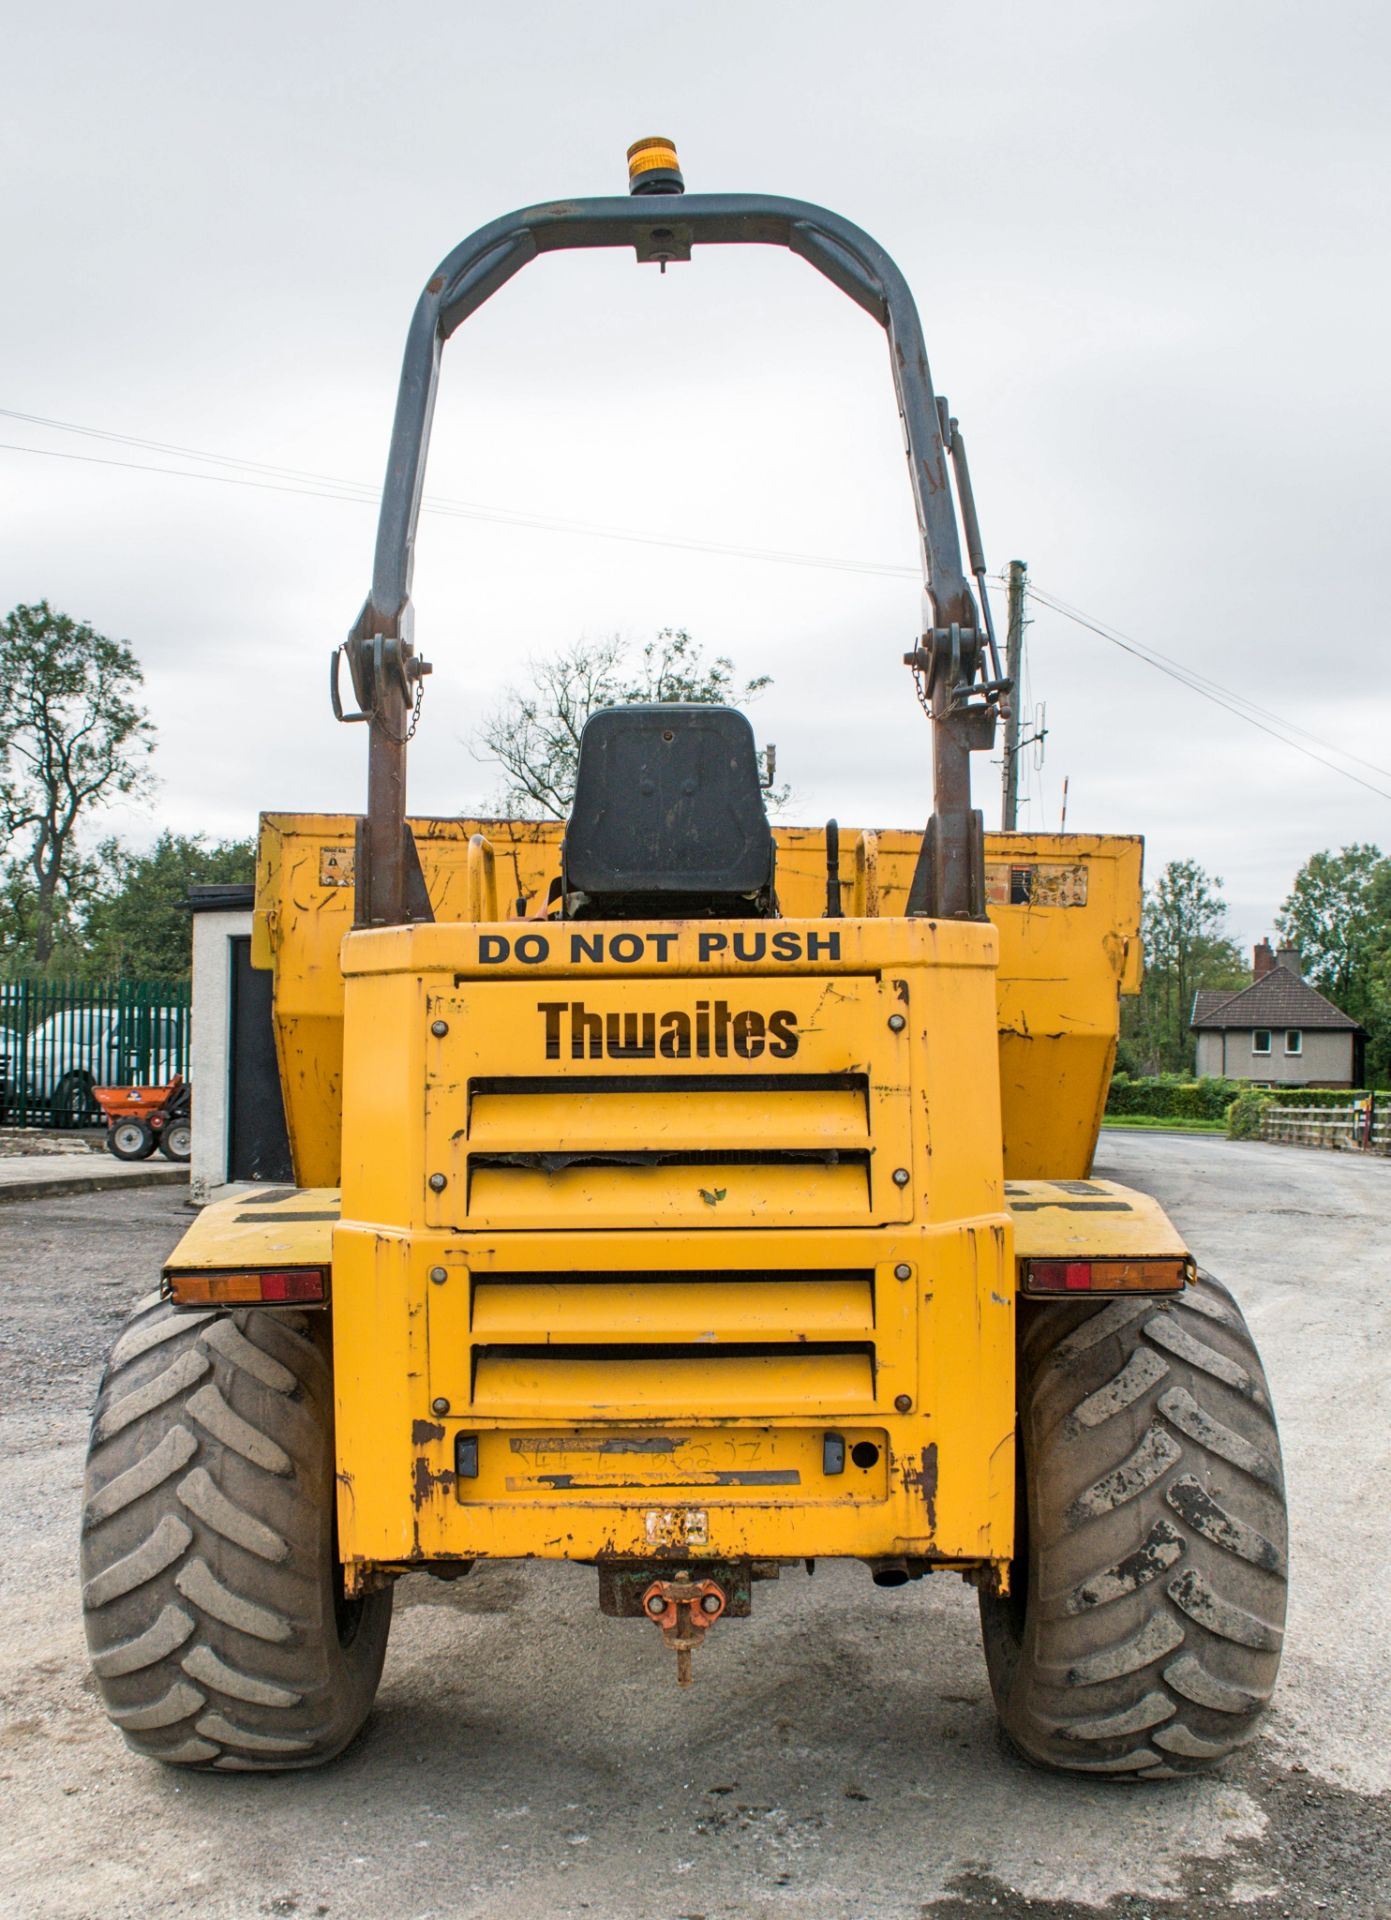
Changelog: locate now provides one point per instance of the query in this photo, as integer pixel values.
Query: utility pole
(1014, 669)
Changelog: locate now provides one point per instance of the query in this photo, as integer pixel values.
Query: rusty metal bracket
(945, 666)
(624, 1583)
(415, 904)
(335, 660)
(685, 1610)
(377, 663)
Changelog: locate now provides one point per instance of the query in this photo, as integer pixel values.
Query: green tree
(1376, 1013)
(1339, 916)
(139, 928)
(1186, 948)
(73, 738)
(79, 884)
(534, 734)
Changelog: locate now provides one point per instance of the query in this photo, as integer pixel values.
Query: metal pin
(439, 1028)
(439, 1275)
(900, 1177)
(904, 1403)
(896, 1023)
(439, 1406)
(901, 1272)
(438, 1182)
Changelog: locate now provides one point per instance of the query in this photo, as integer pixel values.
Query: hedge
(1166, 1096)
(1244, 1114)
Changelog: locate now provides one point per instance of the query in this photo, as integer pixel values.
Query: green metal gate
(61, 1038)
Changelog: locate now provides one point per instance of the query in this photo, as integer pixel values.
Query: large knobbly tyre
(213, 1599)
(1142, 1633)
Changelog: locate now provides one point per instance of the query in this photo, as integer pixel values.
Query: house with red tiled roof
(1279, 1031)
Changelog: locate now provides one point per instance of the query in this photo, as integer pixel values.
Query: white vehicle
(79, 1048)
(11, 1058)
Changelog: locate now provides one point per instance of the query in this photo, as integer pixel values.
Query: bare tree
(72, 739)
(534, 735)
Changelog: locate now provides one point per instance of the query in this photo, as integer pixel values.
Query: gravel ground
(837, 1757)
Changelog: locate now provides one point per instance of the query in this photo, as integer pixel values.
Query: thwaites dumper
(689, 1200)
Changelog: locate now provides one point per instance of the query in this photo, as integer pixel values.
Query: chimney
(1288, 958)
(1265, 960)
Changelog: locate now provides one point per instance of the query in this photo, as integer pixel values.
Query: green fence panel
(61, 1038)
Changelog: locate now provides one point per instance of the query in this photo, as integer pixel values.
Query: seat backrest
(669, 808)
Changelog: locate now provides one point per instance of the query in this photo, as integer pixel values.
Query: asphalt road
(837, 1756)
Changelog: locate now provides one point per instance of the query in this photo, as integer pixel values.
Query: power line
(1222, 697)
(1235, 703)
(331, 487)
(182, 473)
(165, 446)
(1153, 656)
(269, 477)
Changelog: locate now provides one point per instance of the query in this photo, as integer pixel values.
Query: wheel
(1141, 1635)
(72, 1103)
(176, 1139)
(213, 1597)
(130, 1139)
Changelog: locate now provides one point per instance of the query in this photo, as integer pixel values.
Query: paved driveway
(530, 1760)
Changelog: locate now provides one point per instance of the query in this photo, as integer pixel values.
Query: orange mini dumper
(139, 1119)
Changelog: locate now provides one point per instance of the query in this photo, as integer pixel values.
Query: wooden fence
(1350, 1128)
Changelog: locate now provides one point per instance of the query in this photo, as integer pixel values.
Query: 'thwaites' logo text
(711, 1030)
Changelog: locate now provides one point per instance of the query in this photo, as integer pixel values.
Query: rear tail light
(1103, 1276)
(285, 1287)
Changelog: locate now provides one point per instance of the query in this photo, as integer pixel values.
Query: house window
(1260, 1040)
(1294, 1041)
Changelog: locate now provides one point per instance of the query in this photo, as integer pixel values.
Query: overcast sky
(1149, 247)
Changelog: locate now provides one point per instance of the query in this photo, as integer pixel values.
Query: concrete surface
(837, 1756)
(62, 1140)
(44, 1176)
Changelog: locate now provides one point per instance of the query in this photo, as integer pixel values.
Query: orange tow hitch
(685, 1610)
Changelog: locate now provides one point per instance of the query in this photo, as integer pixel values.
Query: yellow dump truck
(688, 1198)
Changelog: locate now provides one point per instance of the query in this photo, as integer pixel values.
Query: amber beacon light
(653, 166)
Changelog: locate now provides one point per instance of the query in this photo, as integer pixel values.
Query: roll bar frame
(380, 649)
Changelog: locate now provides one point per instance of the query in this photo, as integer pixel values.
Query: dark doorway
(258, 1146)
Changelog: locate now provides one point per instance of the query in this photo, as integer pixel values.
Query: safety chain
(415, 710)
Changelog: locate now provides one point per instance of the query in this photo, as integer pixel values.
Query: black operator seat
(668, 820)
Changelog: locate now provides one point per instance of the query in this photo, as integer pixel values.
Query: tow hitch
(685, 1610)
